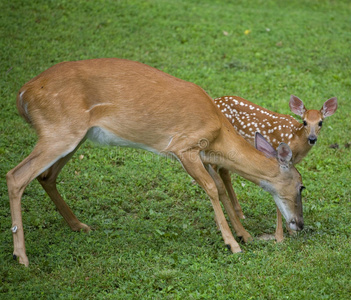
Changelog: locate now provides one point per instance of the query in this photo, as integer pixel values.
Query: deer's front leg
(279, 234)
(193, 165)
(225, 175)
(228, 205)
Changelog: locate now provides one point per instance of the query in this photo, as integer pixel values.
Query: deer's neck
(299, 144)
(233, 152)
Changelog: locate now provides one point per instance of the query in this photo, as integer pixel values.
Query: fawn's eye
(304, 123)
(320, 123)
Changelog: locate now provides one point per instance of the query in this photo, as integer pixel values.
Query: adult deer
(248, 118)
(125, 103)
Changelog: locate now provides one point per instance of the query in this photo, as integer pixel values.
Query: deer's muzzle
(296, 224)
(312, 139)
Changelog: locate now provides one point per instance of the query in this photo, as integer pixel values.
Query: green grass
(155, 237)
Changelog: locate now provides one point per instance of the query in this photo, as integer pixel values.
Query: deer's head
(287, 187)
(312, 119)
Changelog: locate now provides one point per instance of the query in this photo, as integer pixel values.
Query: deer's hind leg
(44, 155)
(48, 181)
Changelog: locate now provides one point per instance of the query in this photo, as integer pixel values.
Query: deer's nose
(312, 139)
(296, 224)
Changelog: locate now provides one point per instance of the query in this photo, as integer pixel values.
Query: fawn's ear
(262, 145)
(284, 155)
(297, 106)
(329, 107)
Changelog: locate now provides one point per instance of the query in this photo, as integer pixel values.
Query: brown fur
(119, 101)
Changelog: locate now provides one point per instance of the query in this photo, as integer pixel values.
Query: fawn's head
(312, 119)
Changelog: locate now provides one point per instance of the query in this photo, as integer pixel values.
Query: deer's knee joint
(46, 178)
(9, 177)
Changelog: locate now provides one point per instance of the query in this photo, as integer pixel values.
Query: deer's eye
(320, 123)
(304, 123)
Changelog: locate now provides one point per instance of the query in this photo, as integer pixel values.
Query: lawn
(154, 233)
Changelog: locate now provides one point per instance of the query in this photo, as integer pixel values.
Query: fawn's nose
(312, 139)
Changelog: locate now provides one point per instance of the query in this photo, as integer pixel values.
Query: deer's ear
(297, 106)
(262, 145)
(329, 107)
(284, 155)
